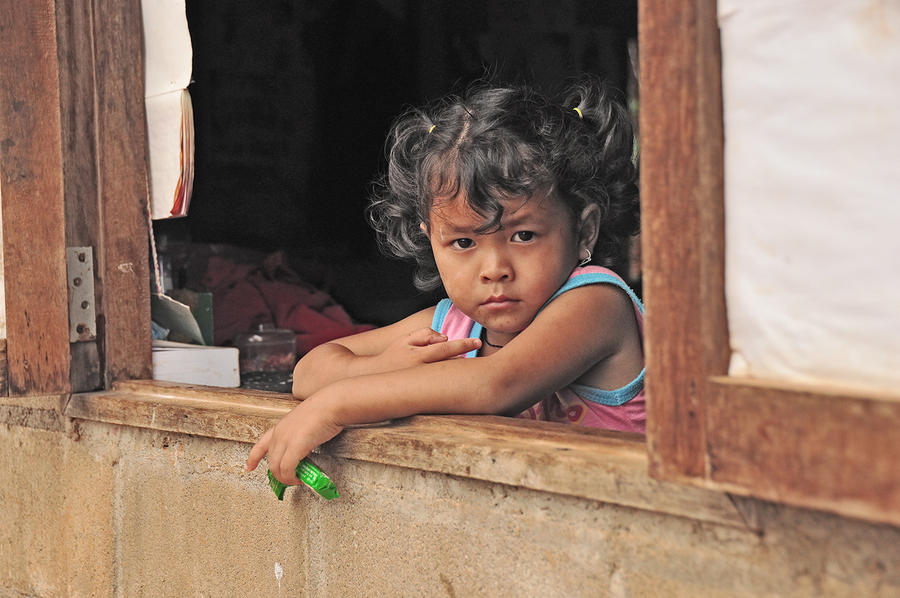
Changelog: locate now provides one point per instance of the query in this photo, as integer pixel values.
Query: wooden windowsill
(610, 467)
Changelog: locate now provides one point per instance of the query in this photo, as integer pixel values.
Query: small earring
(585, 260)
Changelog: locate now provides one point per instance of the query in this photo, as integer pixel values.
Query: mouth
(498, 301)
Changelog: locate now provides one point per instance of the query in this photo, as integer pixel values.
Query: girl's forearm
(335, 361)
(324, 365)
(464, 386)
(531, 367)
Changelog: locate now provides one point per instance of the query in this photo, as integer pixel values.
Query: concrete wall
(95, 509)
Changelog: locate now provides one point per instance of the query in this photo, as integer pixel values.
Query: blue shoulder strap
(440, 312)
(587, 278)
(437, 322)
(619, 396)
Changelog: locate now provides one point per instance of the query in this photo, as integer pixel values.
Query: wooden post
(123, 262)
(31, 188)
(683, 227)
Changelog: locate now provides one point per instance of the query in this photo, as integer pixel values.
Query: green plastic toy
(309, 474)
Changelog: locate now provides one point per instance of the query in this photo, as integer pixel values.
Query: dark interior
(293, 99)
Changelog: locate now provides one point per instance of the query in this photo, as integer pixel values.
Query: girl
(503, 197)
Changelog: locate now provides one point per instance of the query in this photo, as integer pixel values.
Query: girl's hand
(313, 421)
(423, 346)
(307, 426)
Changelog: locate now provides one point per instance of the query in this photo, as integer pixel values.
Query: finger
(436, 338)
(259, 450)
(277, 451)
(450, 349)
(425, 336)
(289, 462)
(275, 458)
(285, 470)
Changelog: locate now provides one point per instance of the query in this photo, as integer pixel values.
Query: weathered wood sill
(606, 466)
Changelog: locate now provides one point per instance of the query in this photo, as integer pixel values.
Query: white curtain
(812, 189)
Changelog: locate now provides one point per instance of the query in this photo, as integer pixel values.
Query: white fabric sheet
(812, 187)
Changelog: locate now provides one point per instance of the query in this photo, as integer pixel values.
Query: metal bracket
(82, 314)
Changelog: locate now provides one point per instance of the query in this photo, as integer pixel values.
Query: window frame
(74, 174)
(811, 446)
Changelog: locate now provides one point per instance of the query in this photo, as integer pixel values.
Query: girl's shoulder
(598, 275)
(594, 271)
(612, 325)
(585, 275)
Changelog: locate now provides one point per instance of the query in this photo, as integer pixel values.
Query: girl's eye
(523, 236)
(462, 243)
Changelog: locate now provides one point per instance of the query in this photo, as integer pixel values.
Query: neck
(485, 340)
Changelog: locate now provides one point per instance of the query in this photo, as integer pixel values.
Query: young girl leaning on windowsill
(502, 196)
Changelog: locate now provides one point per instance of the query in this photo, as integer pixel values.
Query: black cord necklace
(487, 342)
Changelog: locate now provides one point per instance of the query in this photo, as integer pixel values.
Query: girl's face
(501, 278)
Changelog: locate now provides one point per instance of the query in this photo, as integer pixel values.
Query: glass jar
(266, 349)
(267, 358)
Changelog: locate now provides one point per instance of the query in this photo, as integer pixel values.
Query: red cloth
(246, 295)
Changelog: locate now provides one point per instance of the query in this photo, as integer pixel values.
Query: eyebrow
(511, 219)
(458, 230)
(511, 222)
(515, 220)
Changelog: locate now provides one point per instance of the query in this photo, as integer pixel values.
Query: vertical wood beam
(77, 89)
(31, 188)
(105, 175)
(122, 260)
(683, 227)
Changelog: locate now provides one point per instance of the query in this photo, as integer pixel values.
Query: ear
(424, 228)
(588, 227)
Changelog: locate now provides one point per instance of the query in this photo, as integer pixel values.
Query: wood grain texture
(4, 370)
(682, 228)
(32, 191)
(813, 447)
(75, 47)
(75, 51)
(122, 255)
(569, 460)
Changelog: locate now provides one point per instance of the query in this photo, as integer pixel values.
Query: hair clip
(431, 129)
(578, 110)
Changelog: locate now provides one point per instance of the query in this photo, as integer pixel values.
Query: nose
(496, 266)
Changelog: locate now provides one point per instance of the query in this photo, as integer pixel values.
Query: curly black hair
(497, 142)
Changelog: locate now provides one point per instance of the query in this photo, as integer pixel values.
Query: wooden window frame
(812, 446)
(73, 172)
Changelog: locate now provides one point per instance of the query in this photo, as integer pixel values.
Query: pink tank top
(621, 409)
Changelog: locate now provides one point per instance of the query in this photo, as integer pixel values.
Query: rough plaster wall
(102, 510)
(54, 503)
(187, 516)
